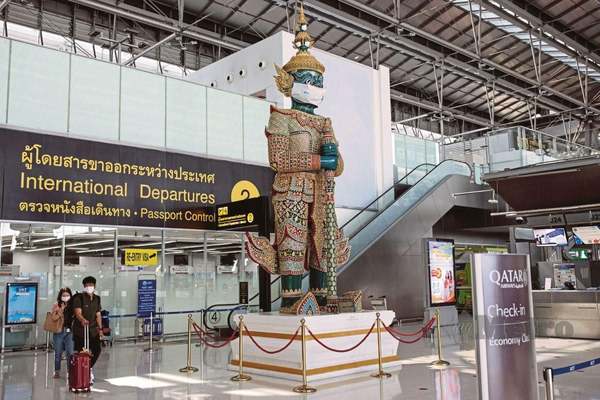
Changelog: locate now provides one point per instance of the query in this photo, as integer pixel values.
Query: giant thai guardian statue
(304, 154)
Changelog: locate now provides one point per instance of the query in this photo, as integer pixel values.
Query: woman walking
(62, 316)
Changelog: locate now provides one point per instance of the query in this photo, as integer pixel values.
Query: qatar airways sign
(503, 307)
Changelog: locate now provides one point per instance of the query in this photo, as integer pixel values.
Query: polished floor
(126, 372)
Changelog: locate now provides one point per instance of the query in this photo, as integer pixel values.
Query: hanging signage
(146, 297)
(21, 303)
(440, 260)
(243, 215)
(141, 257)
(505, 335)
(50, 178)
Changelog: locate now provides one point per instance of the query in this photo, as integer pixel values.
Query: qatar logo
(509, 278)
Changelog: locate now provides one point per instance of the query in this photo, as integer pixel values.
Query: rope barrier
(272, 351)
(211, 345)
(422, 332)
(341, 350)
(426, 327)
(210, 335)
(575, 367)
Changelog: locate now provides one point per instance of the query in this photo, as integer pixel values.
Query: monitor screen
(587, 234)
(550, 237)
(442, 288)
(21, 303)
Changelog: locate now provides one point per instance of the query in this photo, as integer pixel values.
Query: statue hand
(329, 149)
(329, 163)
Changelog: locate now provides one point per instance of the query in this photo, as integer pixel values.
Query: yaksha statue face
(308, 87)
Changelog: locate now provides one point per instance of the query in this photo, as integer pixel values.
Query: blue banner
(146, 297)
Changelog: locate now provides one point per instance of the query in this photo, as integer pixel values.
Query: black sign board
(246, 215)
(50, 178)
(243, 292)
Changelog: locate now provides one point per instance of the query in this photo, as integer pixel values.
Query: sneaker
(56, 375)
(92, 378)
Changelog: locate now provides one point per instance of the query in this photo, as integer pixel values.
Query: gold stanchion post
(240, 377)
(188, 368)
(304, 388)
(380, 373)
(439, 363)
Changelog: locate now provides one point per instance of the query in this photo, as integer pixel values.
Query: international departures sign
(50, 178)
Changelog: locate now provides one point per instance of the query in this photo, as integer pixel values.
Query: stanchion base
(304, 389)
(381, 375)
(439, 364)
(241, 378)
(188, 369)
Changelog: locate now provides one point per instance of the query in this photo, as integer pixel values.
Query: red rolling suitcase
(79, 366)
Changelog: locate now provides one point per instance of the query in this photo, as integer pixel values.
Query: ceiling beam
(166, 24)
(498, 75)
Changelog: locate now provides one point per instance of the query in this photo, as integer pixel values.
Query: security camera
(520, 220)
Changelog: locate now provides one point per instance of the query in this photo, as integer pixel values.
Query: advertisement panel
(440, 260)
(505, 333)
(587, 234)
(21, 303)
(50, 178)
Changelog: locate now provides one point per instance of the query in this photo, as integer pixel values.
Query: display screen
(587, 234)
(21, 303)
(550, 237)
(441, 272)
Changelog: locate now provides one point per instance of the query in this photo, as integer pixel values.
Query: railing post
(240, 377)
(150, 349)
(439, 363)
(549, 379)
(188, 368)
(380, 373)
(304, 388)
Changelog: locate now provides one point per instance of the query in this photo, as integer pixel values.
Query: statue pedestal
(339, 331)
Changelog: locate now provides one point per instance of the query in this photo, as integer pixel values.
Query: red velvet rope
(201, 333)
(272, 351)
(342, 350)
(422, 332)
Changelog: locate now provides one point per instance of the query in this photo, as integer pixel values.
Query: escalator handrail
(366, 208)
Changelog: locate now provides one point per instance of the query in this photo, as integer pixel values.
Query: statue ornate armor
(304, 154)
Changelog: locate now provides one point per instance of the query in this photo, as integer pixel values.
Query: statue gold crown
(303, 60)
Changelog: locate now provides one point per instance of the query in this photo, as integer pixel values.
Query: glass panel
(142, 108)
(432, 152)
(39, 88)
(224, 124)
(94, 99)
(256, 118)
(4, 51)
(186, 116)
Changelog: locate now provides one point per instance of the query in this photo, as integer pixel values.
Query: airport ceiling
(500, 61)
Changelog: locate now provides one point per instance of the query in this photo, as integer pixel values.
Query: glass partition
(196, 270)
(86, 97)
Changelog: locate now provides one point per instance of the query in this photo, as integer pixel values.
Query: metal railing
(510, 148)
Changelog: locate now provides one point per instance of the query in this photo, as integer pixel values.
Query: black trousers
(95, 346)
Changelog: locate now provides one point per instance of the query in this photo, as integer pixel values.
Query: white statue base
(339, 331)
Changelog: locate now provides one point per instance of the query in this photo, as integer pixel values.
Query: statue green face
(307, 92)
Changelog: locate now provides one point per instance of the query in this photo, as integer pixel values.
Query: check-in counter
(567, 313)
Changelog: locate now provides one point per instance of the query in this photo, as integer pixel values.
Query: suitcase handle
(86, 337)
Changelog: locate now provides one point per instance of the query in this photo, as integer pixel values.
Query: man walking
(86, 308)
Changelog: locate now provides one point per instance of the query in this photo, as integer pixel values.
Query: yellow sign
(141, 257)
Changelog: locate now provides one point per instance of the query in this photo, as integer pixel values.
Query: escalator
(386, 236)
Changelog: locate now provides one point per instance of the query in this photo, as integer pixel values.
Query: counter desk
(567, 313)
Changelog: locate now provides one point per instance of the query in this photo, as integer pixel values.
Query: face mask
(89, 289)
(308, 94)
(65, 298)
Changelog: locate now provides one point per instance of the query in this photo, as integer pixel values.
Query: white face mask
(89, 289)
(65, 298)
(308, 94)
